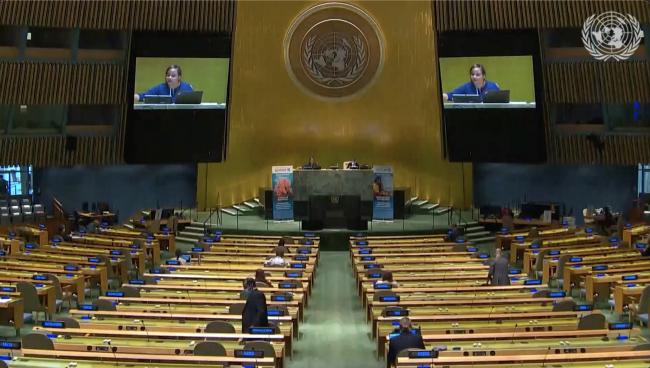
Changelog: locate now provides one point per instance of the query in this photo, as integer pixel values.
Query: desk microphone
(169, 307)
(144, 327)
(490, 314)
(514, 331)
(546, 356)
(112, 349)
(188, 296)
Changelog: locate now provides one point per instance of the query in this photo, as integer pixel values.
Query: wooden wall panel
(517, 14)
(594, 82)
(51, 151)
(55, 83)
(178, 15)
(617, 150)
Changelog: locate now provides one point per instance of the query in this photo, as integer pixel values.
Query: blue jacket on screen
(469, 89)
(163, 90)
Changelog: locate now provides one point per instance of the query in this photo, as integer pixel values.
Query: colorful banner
(282, 181)
(382, 193)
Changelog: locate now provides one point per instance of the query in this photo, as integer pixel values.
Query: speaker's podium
(333, 199)
(333, 212)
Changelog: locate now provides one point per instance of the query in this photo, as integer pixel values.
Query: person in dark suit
(254, 313)
(498, 274)
(352, 165)
(4, 187)
(311, 164)
(406, 340)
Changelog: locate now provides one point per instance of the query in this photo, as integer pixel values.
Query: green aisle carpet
(334, 333)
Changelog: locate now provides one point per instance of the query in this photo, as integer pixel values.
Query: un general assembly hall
(324, 184)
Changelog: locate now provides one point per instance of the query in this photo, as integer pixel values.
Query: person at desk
(4, 187)
(352, 165)
(499, 269)
(61, 234)
(254, 313)
(477, 84)
(170, 87)
(278, 260)
(405, 340)
(311, 164)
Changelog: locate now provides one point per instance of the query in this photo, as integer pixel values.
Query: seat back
(69, 322)
(382, 293)
(236, 308)
(219, 327)
(104, 305)
(130, 291)
(644, 300)
(209, 348)
(57, 285)
(263, 346)
(30, 296)
(592, 322)
(564, 306)
(37, 341)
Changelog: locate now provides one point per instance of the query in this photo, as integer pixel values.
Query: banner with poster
(382, 193)
(282, 181)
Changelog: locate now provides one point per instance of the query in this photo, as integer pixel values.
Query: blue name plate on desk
(308, 242)
(116, 252)
(367, 258)
(301, 258)
(472, 249)
(136, 282)
(93, 259)
(534, 246)
(370, 266)
(620, 326)
(30, 246)
(87, 307)
(298, 265)
(397, 312)
(514, 271)
(261, 331)
(533, 282)
(309, 235)
(423, 354)
(287, 285)
(556, 294)
(575, 259)
(553, 252)
(382, 285)
(304, 251)
(117, 294)
(275, 312)
(483, 255)
(365, 251)
(39, 277)
(12, 345)
(361, 242)
(8, 289)
(53, 324)
(374, 275)
(389, 298)
(173, 262)
(629, 277)
(197, 249)
(293, 274)
(71, 268)
(599, 267)
(249, 353)
(281, 298)
(583, 307)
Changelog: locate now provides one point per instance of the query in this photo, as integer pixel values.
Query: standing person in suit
(254, 313)
(498, 274)
(406, 340)
(4, 187)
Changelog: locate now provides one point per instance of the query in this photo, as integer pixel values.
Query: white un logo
(611, 35)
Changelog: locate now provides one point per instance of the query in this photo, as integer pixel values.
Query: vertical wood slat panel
(67, 83)
(499, 14)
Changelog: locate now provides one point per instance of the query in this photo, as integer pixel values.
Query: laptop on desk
(502, 96)
(157, 99)
(466, 98)
(193, 97)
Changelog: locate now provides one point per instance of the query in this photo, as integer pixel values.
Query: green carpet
(334, 333)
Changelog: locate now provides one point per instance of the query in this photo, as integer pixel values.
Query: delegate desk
(201, 106)
(92, 362)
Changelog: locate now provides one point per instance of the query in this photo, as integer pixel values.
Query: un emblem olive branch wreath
(354, 72)
(625, 52)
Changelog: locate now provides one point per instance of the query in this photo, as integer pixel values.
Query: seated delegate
(311, 164)
(171, 87)
(477, 85)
